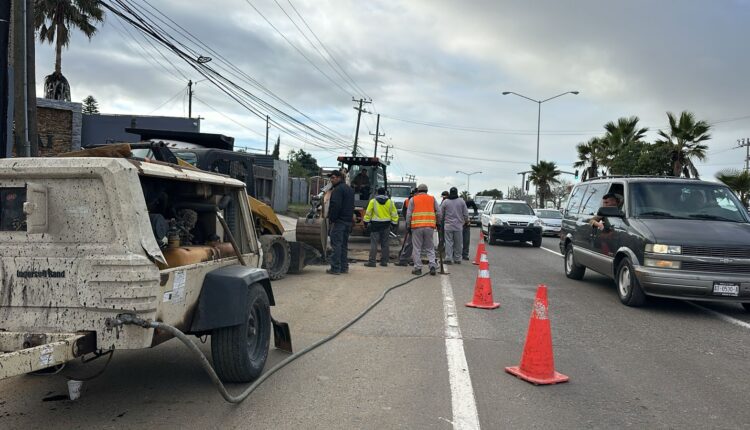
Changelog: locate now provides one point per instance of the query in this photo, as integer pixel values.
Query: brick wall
(59, 125)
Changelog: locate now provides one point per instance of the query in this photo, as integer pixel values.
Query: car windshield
(512, 209)
(400, 192)
(686, 201)
(549, 214)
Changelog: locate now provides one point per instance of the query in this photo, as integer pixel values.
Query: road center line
(721, 316)
(549, 250)
(464, 406)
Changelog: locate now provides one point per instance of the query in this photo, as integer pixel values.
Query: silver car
(551, 221)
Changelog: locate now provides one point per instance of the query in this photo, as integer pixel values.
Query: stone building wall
(59, 125)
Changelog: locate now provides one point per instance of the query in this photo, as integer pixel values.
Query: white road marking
(464, 405)
(549, 250)
(721, 316)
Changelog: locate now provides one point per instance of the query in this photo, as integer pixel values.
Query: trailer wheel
(239, 352)
(276, 255)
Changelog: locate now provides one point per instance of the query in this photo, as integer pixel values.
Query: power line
(182, 91)
(236, 71)
(253, 103)
(333, 58)
(228, 117)
(298, 50)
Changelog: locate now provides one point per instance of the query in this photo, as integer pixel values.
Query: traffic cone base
(556, 378)
(483, 287)
(537, 361)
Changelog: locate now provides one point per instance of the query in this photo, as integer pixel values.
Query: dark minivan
(668, 237)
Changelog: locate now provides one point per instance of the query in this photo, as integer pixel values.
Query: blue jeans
(339, 244)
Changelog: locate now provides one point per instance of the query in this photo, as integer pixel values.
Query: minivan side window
(575, 199)
(592, 200)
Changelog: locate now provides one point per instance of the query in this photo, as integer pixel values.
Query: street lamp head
(505, 93)
(574, 92)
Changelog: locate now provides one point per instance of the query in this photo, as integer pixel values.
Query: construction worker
(455, 215)
(467, 230)
(380, 216)
(406, 249)
(422, 220)
(340, 217)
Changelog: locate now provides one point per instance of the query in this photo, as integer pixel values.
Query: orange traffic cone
(537, 362)
(480, 248)
(483, 287)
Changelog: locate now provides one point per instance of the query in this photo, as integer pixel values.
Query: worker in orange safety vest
(422, 220)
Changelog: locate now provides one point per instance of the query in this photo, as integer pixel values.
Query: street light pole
(468, 179)
(539, 112)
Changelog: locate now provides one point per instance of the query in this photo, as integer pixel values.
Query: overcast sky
(445, 63)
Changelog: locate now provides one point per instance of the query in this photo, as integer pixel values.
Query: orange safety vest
(423, 214)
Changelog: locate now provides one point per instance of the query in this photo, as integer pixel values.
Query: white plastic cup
(74, 389)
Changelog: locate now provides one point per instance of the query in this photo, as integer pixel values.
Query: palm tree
(589, 157)
(738, 181)
(620, 135)
(54, 19)
(685, 137)
(543, 176)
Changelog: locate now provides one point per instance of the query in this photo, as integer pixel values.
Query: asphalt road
(667, 365)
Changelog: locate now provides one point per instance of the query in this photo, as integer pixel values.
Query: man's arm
(369, 210)
(438, 213)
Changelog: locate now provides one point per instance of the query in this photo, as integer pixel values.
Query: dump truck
(92, 249)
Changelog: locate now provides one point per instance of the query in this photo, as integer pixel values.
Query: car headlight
(663, 264)
(658, 248)
(538, 223)
(498, 221)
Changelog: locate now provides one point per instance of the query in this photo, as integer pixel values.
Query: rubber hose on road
(243, 395)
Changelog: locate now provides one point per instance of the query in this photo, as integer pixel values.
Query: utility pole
(377, 135)
(385, 159)
(20, 85)
(746, 143)
(359, 116)
(31, 117)
(190, 99)
(267, 127)
(5, 98)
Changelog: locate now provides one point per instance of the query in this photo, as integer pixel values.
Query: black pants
(339, 245)
(382, 237)
(467, 241)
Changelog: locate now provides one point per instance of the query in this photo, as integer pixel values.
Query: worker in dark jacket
(340, 216)
(467, 230)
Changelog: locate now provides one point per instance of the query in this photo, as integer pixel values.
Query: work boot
(402, 263)
(369, 264)
(332, 272)
(433, 271)
(465, 258)
(384, 264)
(416, 272)
(457, 262)
(448, 262)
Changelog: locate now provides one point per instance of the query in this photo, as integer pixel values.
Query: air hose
(129, 319)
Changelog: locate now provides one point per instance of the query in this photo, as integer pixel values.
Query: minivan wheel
(628, 288)
(572, 270)
(490, 239)
(536, 243)
(746, 306)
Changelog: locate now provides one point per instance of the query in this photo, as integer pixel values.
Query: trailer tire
(239, 352)
(276, 255)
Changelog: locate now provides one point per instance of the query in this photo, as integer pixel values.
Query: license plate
(518, 230)
(726, 289)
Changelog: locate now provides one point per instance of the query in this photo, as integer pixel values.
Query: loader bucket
(313, 232)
